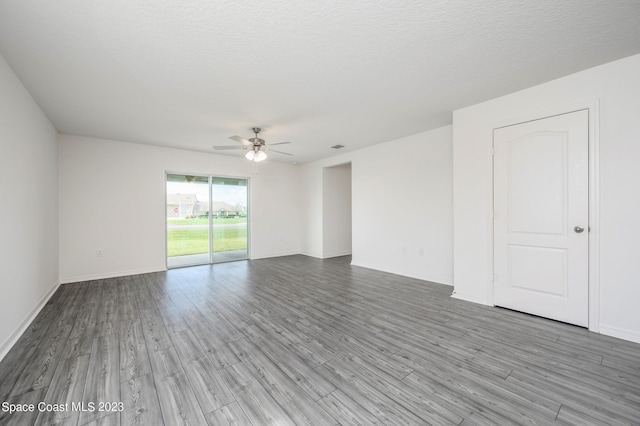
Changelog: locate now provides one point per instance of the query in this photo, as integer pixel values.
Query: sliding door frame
(210, 178)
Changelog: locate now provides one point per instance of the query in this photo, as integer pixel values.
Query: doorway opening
(207, 219)
(336, 211)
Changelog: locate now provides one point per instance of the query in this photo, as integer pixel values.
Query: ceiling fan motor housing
(257, 141)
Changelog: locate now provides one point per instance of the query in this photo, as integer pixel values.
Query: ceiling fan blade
(279, 152)
(279, 143)
(227, 147)
(240, 139)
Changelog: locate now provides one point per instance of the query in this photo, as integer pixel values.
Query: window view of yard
(191, 236)
(189, 208)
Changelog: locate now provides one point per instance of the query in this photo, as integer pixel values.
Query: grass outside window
(185, 241)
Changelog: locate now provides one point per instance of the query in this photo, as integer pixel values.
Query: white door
(541, 177)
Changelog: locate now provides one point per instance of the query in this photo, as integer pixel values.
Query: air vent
(337, 146)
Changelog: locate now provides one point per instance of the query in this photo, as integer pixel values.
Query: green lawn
(181, 242)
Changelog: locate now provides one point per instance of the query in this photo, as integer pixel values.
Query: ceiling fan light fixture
(255, 155)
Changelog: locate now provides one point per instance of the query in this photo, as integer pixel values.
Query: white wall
(616, 86)
(402, 206)
(311, 210)
(29, 214)
(112, 197)
(336, 206)
(401, 199)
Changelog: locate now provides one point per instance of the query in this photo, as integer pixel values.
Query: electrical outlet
(404, 250)
(99, 253)
(421, 252)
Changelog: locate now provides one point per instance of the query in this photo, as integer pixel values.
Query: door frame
(210, 177)
(593, 109)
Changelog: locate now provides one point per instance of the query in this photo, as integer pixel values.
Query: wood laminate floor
(297, 340)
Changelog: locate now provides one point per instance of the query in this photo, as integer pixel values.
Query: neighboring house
(180, 206)
(223, 209)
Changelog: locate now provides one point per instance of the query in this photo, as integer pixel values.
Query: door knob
(578, 229)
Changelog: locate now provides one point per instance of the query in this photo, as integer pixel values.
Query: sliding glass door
(206, 219)
(188, 230)
(229, 219)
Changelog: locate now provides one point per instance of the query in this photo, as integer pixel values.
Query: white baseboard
(82, 278)
(440, 280)
(344, 253)
(469, 298)
(436, 280)
(317, 256)
(6, 346)
(620, 333)
(275, 255)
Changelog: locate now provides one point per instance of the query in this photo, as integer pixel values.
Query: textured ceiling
(191, 73)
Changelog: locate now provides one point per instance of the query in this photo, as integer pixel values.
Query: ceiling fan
(256, 147)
